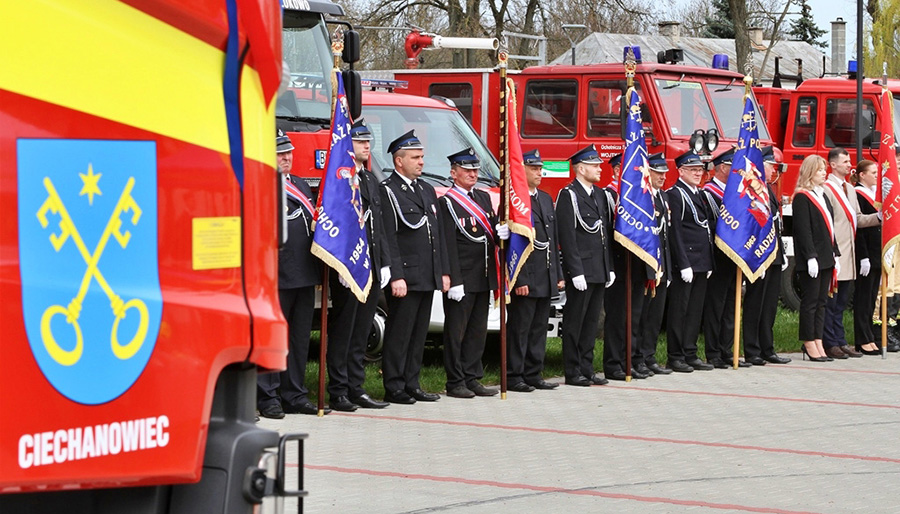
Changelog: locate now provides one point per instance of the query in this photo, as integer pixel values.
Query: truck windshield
(307, 52)
(443, 132)
(685, 105)
(728, 102)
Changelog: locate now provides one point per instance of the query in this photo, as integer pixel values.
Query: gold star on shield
(90, 181)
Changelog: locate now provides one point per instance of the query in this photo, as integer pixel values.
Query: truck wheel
(790, 287)
(375, 344)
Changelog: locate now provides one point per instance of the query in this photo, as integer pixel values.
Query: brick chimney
(670, 29)
(756, 35)
(838, 46)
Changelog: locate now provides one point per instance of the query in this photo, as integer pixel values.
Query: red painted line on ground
(775, 398)
(582, 433)
(546, 489)
(836, 370)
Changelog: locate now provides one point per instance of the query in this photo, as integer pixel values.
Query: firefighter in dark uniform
(299, 272)
(691, 244)
(470, 241)
(583, 223)
(718, 307)
(417, 261)
(349, 321)
(761, 298)
(654, 302)
(540, 278)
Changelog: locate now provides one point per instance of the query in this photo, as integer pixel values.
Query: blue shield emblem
(88, 259)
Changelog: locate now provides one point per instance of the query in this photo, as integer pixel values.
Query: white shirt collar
(690, 187)
(719, 183)
(404, 177)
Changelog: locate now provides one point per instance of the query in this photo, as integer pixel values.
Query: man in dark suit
(718, 306)
(691, 243)
(418, 263)
(298, 274)
(654, 302)
(470, 240)
(349, 321)
(540, 278)
(761, 298)
(583, 222)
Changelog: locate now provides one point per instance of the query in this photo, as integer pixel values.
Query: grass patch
(433, 378)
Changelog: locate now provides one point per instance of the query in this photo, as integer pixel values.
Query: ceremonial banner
(340, 238)
(888, 192)
(745, 230)
(521, 228)
(636, 227)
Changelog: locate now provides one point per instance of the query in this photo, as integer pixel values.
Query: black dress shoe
(342, 403)
(304, 407)
(543, 384)
(460, 392)
(642, 368)
(719, 364)
(367, 402)
(423, 396)
(521, 387)
(699, 364)
(756, 360)
(745, 364)
(637, 374)
(776, 359)
(578, 381)
(272, 411)
(893, 348)
(616, 375)
(597, 380)
(680, 367)
(479, 389)
(659, 370)
(399, 397)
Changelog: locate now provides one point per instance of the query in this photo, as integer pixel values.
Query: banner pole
(737, 317)
(504, 212)
(884, 320)
(628, 293)
(323, 340)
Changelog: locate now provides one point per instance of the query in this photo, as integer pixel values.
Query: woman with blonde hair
(815, 252)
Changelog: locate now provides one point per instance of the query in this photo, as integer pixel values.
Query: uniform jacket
(297, 267)
(663, 222)
(843, 228)
(778, 222)
(472, 263)
(416, 254)
(585, 250)
(693, 228)
(542, 270)
(868, 239)
(811, 236)
(375, 230)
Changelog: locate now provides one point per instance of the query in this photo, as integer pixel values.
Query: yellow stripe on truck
(113, 61)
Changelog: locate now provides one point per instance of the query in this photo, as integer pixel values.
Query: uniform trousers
(652, 313)
(760, 308)
(614, 342)
(349, 325)
(813, 293)
(683, 321)
(297, 306)
(833, 334)
(465, 332)
(865, 293)
(526, 338)
(581, 319)
(404, 340)
(718, 313)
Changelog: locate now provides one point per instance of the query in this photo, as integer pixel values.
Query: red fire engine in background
(138, 251)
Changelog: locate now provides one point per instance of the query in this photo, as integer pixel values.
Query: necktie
(471, 195)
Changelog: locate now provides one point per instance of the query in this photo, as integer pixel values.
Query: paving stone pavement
(802, 437)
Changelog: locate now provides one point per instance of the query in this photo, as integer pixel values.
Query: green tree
(805, 29)
(885, 33)
(720, 24)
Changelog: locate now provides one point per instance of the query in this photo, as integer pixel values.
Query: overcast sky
(826, 11)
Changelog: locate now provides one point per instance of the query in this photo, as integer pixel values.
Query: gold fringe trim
(524, 231)
(640, 253)
(739, 261)
(342, 270)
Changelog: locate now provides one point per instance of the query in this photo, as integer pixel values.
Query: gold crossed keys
(67, 231)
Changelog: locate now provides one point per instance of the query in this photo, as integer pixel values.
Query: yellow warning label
(216, 242)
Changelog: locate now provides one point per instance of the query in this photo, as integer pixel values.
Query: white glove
(502, 231)
(865, 266)
(668, 283)
(687, 275)
(784, 265)
(708, 274)
(837, 265)
(612, 278)
(456, 293)
(343, 282)
(763, 276)
(385, 276)
(813, 266)
(579, 282)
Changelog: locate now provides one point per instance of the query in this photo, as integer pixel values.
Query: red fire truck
(138, 251)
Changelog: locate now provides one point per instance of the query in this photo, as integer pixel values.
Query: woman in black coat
(814, 255)
(868, 265)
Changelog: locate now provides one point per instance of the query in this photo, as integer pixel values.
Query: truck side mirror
(875, 141)
(353, 90)
(350, 54)
(645, 113)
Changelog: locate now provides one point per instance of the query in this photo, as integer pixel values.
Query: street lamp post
(573, 27)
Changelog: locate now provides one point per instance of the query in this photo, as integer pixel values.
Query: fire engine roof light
(851, 67)
(390, 85)
(720, 62)
(637, 53)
